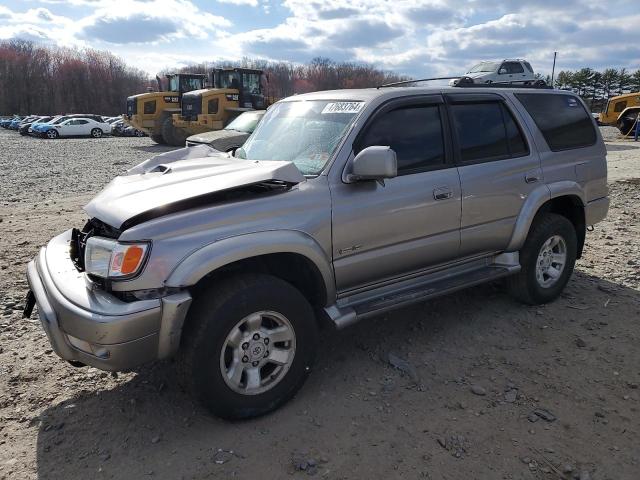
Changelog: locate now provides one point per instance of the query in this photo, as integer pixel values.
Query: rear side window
(528, 65)
(514, 67)
(562, 119)
(487, 131)
(414, 133)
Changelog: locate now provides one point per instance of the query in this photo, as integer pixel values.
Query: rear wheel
(172, 135)
(249, 345)
(96, 133)
(158, 138)
(52, 134)
(547, 259)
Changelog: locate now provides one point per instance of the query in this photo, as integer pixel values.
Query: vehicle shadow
(148, 426)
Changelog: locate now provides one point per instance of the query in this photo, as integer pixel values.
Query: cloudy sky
(414, 37)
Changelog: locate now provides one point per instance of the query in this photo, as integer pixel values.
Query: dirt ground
(500, 391)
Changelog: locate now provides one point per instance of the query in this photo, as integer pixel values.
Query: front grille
(78, 244)
(191, 106)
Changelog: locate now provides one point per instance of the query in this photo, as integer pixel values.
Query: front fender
(535, 201)
(228, 250)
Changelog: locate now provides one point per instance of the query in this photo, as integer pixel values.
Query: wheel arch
(564, 198)
(291, 255)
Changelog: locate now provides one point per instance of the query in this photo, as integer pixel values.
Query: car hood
(179, 180)
(209, 137)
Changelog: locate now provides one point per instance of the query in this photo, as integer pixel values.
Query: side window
(481, 131)
(562, 119)
(213, 105)
(70, 122)
(620, 106)
(414, 133)
(150, 107)
(81, 122)
(487, 131)
(515, 67)
(528, 65)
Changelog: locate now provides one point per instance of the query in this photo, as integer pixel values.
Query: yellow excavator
(152, 112)
(235, 90)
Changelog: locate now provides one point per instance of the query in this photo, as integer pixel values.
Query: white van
(501, 71)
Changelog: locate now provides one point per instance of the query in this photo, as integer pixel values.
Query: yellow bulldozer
(152, 112)
(621, 111)
(235, 90)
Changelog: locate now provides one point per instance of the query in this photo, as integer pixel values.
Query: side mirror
(373, 163)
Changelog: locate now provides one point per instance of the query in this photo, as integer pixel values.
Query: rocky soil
(471, 386)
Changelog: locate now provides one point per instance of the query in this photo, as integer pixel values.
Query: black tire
(214, 314)
(96, 133)
(524, 285)
(51, 134)
(158, 138)
(172, 136)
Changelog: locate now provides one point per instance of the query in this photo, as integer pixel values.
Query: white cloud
(415, 37)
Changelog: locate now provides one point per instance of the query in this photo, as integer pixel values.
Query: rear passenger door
(497, 166)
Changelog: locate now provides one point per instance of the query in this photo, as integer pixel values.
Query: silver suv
(341, 205)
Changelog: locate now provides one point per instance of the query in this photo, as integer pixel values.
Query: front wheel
(52, 134)
(547, 259)
(249, 345)
(96, 133)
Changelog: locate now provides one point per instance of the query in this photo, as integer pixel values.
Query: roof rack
(467, 82)
(539, 84)
(406, 82)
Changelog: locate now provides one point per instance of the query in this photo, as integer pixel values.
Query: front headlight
(108, 258)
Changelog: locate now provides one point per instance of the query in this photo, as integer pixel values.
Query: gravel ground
(494, 389)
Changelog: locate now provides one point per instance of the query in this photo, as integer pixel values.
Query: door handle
(532, 177)
(442, 193)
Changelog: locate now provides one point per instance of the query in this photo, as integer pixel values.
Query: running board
(351, 312)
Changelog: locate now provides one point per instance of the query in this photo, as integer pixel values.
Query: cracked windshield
(305, 133)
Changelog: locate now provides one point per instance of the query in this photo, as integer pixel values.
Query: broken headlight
(107, 258)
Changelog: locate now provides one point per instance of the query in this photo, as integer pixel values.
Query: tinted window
(528, 65)
(150, 107)
(81, 122)
(481, 131)
(414, 133)
(514, 67)
(517, 144)
(618, 107)
(562, 119)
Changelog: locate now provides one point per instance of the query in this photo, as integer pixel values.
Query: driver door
(411, 222)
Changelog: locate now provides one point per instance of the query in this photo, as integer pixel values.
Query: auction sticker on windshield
(343, 107)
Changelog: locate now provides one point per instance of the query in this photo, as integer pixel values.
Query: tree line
(46, 80)
(284, 79)
(42, 80)
(596, 87)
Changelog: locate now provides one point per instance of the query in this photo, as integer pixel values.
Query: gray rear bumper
(94, 327)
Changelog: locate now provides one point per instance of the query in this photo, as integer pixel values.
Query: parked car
(75, 127)
(121, 129)
(40, 129)
(505, 71)
(340, 206)
(26, 126)
(5, 122)
(15, 124)
(230, 137)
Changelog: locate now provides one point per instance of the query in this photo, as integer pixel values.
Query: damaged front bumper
(92, 326)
